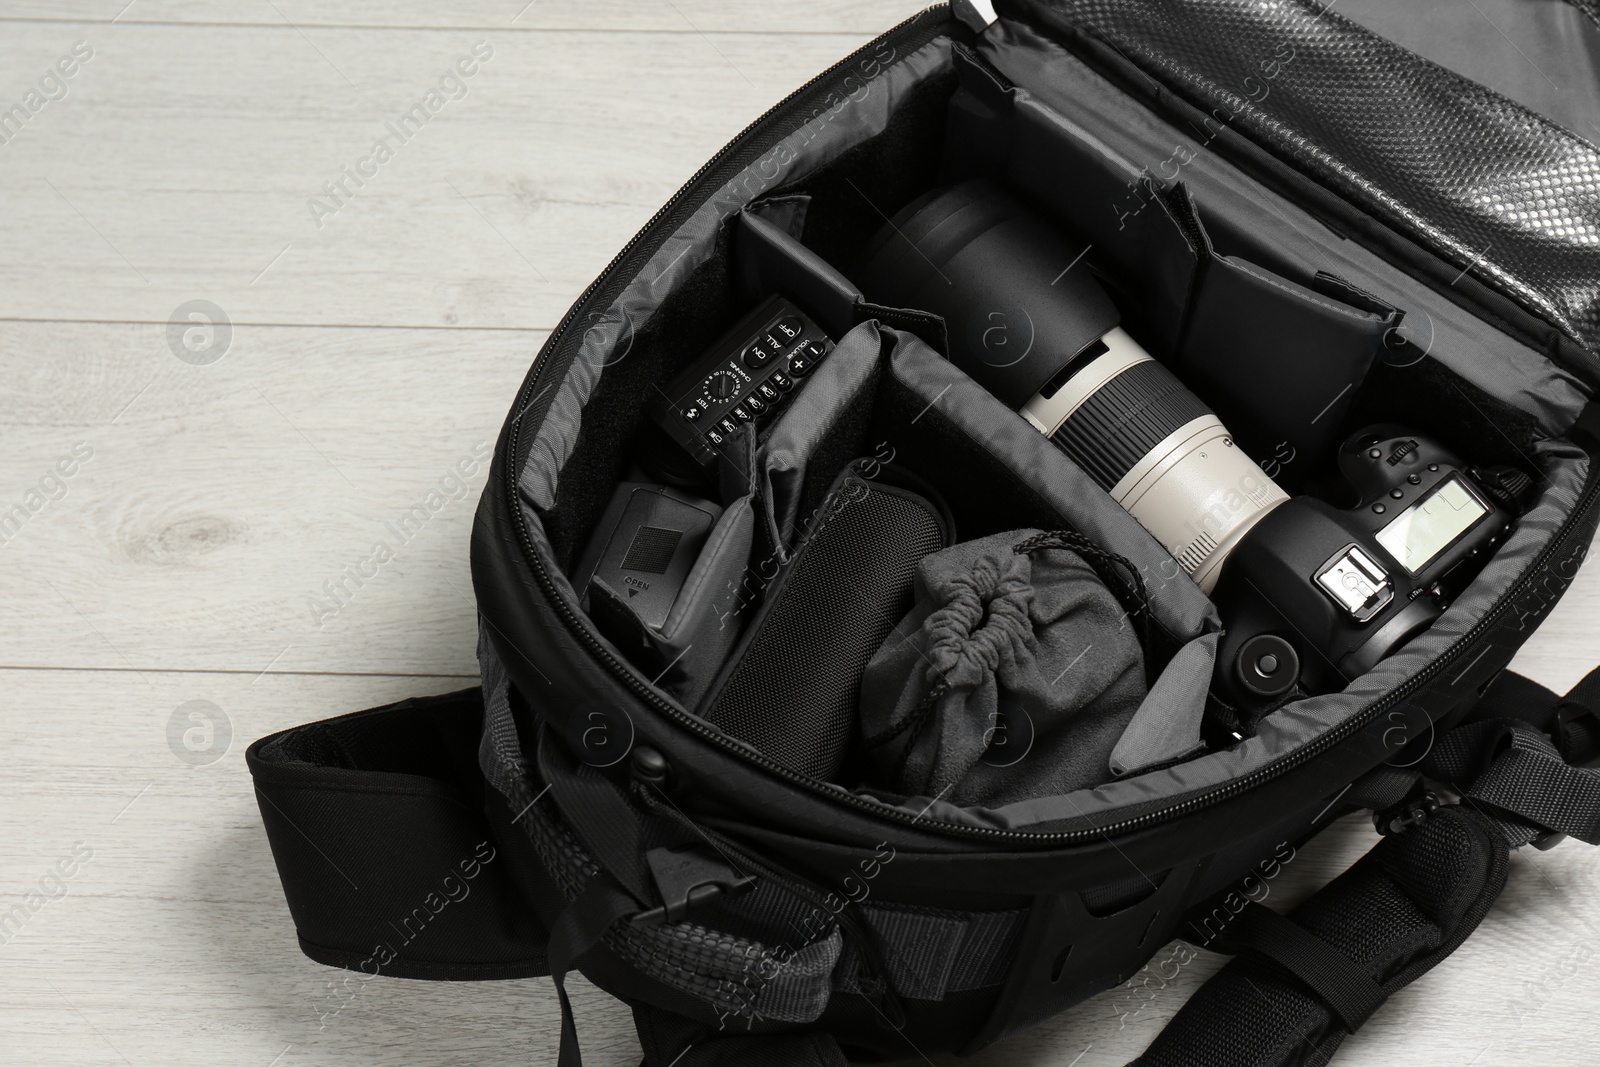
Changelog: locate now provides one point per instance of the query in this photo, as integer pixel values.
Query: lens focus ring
(1118, 425)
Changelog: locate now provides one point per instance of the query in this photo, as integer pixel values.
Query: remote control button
(721, 385)
(768, 393)
(757, 355)
(781, 381)
(691, 413)
(714, 437)
(785, 330)
(815, 349)
(729, 426)
(740, 413)
(754, 403)
(800, 364)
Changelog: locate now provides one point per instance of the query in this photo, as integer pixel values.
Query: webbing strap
(1513, 769)
(669, 1040)
(599, 814)
(579, 927)
(1519, 758)
(1341, 984)
(1302, 982)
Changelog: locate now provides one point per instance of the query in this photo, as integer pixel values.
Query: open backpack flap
(750, 762)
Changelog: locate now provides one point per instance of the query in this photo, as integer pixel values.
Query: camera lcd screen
(1431, 525)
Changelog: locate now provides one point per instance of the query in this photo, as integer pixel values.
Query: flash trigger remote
(745, 377)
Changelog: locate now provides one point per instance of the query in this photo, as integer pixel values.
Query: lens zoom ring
(1124, 419)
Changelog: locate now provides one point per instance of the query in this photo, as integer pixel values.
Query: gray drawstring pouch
(1013, 677)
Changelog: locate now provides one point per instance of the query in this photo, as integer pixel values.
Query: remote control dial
(721, 385)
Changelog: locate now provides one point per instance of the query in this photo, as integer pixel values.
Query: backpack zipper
(913, 33)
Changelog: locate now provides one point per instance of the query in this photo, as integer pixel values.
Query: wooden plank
(218, 499)
(684, 16)
(210, 162)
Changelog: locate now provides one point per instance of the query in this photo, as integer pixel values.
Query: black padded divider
(1303, 352)
(771, 259)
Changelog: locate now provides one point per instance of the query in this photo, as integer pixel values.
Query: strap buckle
(1548, 840)
(1576, 732)
(1412, 811)
(687, 878)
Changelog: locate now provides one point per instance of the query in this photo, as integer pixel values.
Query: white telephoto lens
(1159, 452)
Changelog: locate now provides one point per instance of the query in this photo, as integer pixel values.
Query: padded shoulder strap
(1302, 982)
(389, 865)
(377, 824)
(1287, 1000)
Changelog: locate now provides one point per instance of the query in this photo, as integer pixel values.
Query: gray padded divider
(1303, 351)
(1167, 725)
(837, 383)
(769, 258)
(1176, 601)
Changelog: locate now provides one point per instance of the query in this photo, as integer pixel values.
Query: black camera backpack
(752, 914)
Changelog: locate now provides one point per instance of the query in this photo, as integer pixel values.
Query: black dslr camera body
(1317, 595)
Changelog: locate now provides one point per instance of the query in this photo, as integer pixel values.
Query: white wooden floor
(221, 471)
